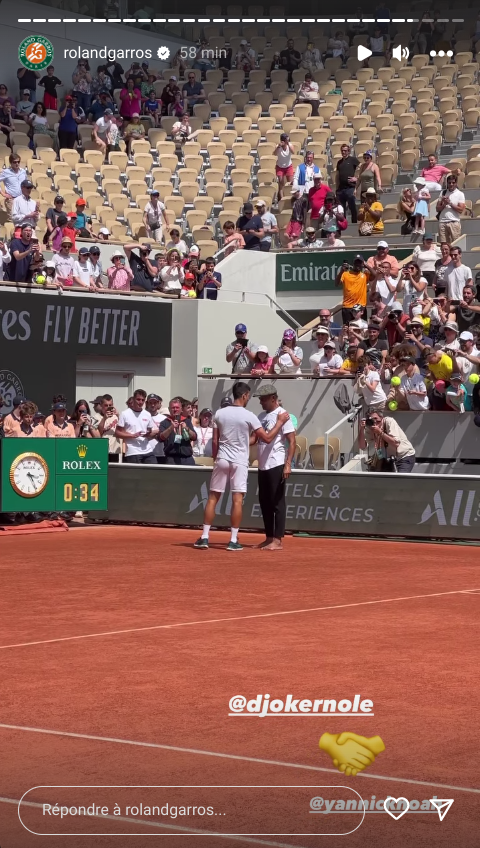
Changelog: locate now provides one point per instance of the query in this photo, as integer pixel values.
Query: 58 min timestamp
(203, 53)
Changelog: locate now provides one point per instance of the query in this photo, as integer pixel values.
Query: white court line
(160, 825)
(234, 618)
(157, 745)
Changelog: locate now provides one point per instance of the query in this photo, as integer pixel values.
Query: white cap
(117, 253)
(51, 264)
(262, 349)
(357, 324)
(466, 336)
(420, 181)
(417, 310)
(382, 244)
(173, 77)
(244, 41)
(104, 231)
(396, 307)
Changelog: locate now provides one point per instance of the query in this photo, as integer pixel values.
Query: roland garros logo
(35, 52)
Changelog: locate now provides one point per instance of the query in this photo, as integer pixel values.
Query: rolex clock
(29, 475)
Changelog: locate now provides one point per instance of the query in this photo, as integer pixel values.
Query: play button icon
(363, 52)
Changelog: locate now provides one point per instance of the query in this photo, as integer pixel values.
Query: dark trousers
(271, 495)
(406, 464)
(142, 459)
(180, 460)
(346, 196)
(66, 139)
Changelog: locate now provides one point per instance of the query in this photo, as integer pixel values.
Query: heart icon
(396, 814)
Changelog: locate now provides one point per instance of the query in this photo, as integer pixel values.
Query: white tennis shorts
(228, 472)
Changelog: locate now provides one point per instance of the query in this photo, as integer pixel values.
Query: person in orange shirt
(26, 427)
(354, 281)
(57, 426)
(12, 420)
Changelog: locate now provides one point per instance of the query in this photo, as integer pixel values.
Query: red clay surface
(417, 659)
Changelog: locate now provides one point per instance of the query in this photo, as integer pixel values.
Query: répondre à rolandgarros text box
(192, 810)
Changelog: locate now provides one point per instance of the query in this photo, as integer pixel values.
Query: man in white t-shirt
(81, 270)
(136, 427)
(153, 216)
(457, 275)
(412, 386)
(153, 405)
(101, 129)
(450, 206)
(274, 466)
(233, 427)
(384, 284)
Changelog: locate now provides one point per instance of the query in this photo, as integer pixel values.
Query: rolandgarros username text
(167, 810)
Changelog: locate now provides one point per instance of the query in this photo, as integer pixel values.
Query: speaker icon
(363, 52)
(400, 52)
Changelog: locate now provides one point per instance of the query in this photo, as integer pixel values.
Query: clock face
(29, 475)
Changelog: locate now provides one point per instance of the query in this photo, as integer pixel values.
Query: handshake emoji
(351, 753)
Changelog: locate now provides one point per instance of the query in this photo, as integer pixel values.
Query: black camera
(392, 317)
(409, 328)
(369, 422)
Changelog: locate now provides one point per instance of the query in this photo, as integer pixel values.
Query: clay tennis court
(120, 649)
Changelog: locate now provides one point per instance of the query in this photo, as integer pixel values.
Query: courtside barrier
(385, 505)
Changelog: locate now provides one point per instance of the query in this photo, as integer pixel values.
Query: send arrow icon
(442, 805)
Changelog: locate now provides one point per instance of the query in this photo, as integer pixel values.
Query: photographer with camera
(353, 279)
(177, 433)
(241, 353)
(384, 283)
(289, 355)
(387, 445)
(412, 284)
(144, 272)
(394, 324)
(414, 335)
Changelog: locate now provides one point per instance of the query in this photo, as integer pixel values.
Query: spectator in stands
(441, 265)
(105, 418)
(284, 167)
(64, 229)
(172, 275)
(133, 131)
(57, 425)
(434, 174)
(415, 335)
(346, 180)
(312, 58)
(12, 179)
(95, 265)
(290, 60)
(210, 281)
(81, 271)
(383, 255)
(250, 226)
(4, 96)
(310, 242)
(384, 283)
(424, 32)
(263, 362)
(154, 216)
(388, 447)
(354, 280)
(178, 63)
(5, 258)
(21, 250)
(28, 79)
(426, 255)
(193, 92)
(412, 284)
(369, 384)
(337, 47)
(7, 124)
(144, 271)
(245, 58)
(136, 428)
(67, 127)
(394, 324)
(450, 206)
(412, 391)
(440, 369)
(153, 406)
(269, 224)
(406, 210)
(457, 276)
(168, 95)
(325, 362)
(465, 314)
(456, 396)
(467, 360)
(177, 109)
(182, 132)
(370, 214)
(241, 353)
(288, 357)
(316, 199)
(38, 122)
(24, 105)
(115, 72)
(326, 320)
(422, 210)
(304, 174)
(24, 209)
(333, 241)
(308, 92)
(451, 333)
(101, 83)
(372, 342)
(82, 224)
(130, 100)
(119, 277)
(64, 263)
(176, 242)
(82, 84)
(350, 365)
(81, 418)
(204, 431)
(233, 239)
(28, 427)
(330, 214)
(151, 107)
(99, 106)
(368, 175)
(177, 434)
(102, 129)
(299, 203)
(276, 64)
(377, 42)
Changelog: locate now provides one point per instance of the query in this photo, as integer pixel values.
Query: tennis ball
(395, 381)
(41, 280)
(393, 405)
(474, 378)
(192, 294)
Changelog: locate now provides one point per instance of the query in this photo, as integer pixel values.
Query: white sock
(206, 531)
(234, 532)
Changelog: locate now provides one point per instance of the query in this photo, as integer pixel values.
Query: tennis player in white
(232, 429)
